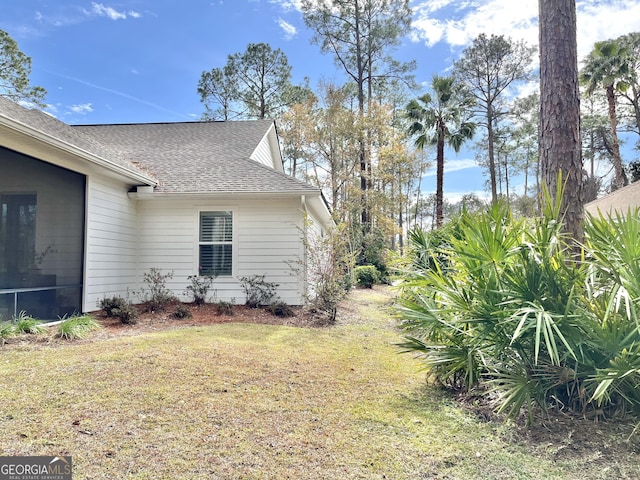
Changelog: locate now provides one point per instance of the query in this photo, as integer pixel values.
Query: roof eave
(226, 194)
(55, 142)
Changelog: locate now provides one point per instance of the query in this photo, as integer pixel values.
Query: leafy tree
(252, 84)
(360, 34)
(15, 68)
(596, 144)
(397, 174)
(631, 95)
(294, 129)
(489, 67)
(560, 150)
(525, 115)
(634, 170)
(318, 139)
(439, 119)
(218, 87)
(606, 67)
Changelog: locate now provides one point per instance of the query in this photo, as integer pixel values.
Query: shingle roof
(619, 200)
(52, 127)
(198, 157)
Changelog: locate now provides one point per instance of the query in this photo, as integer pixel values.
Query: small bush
(111, 305)
(25, 324)
(128, 314)
(199, 287)
(182, 312)
(159, 296)
(224, 308)
(281, 309)
(258, 291)
(6, 330)
(77, 327)
(366, 276)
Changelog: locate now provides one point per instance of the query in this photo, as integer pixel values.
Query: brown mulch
(157, 321)
(206, 314)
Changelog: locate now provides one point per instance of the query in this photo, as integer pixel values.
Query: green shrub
(281, 309)
(25, 324)
(326, 267)
(119, 307)
(181, 312)
(199, 287)
(111, 305)
(128, 314)
(7, 330)
(366, 276)
(159, 296)
(515, 312)
(257, 290)
(224, 308)
(77, 327)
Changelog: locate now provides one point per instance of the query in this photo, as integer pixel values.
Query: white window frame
(233, 241)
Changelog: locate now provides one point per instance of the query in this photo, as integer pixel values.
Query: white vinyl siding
(267, 152)
(111, 255)
(266, 241)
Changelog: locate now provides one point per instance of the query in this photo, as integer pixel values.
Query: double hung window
(216, 243)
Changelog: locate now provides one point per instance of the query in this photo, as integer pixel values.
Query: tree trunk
(620, 175)
(361, 103)
(526, 173)
(560, 143)
(439, 176)
(492, 159)
(506, 177)
(636, 107)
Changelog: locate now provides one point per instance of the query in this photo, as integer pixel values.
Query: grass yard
(245, 401)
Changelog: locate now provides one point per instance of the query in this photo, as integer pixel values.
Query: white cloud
(458, 23)
(118, 93)
(81, 109)
(288, 5)
(456, 197)
(289, 30)
(438, 20)
(453, 166)
(101, 10)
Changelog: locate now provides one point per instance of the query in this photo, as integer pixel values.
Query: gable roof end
(203, 157)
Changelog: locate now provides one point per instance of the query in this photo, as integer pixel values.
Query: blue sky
(123, 61)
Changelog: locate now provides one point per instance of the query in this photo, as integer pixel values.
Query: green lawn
(241, 401)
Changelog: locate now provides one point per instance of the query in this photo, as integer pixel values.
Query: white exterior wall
(262, 154)
(268, 152)
(266, 235)
(111, 248)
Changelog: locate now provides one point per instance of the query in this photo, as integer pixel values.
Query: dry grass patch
(233, 401)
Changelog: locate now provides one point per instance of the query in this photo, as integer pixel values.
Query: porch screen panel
(42, 209)
(216, 247)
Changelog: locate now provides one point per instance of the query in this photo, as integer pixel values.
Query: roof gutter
(147, 194)
(45, 138)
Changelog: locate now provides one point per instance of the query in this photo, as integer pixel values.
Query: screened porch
(41, 238)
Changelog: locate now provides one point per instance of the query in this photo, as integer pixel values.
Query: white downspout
(305, 221)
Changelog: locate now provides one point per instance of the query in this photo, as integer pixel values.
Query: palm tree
(441, 119)
(605, 67)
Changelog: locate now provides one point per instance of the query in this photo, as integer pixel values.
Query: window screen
(216, 249)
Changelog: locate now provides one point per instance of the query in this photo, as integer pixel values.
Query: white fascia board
(55, 142)
(178, 195)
